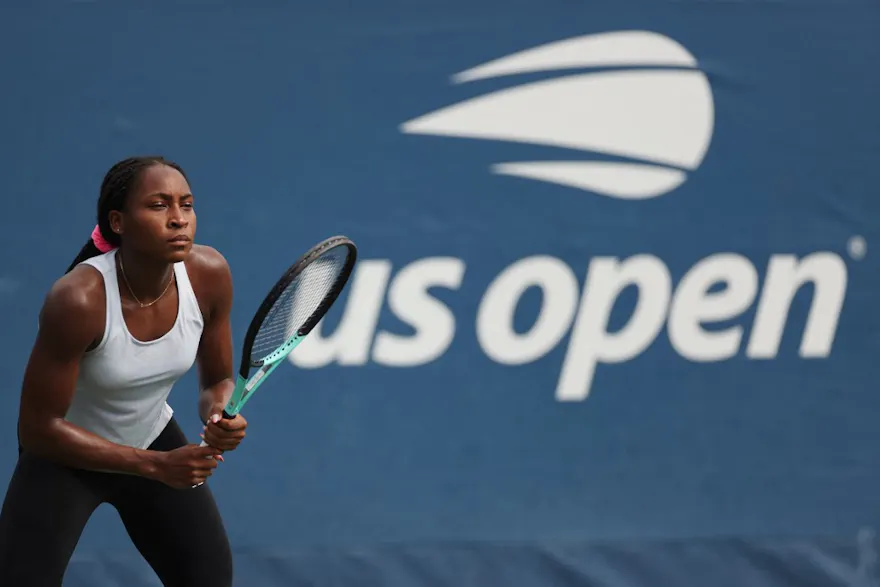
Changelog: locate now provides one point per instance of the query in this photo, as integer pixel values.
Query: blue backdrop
(614, 318)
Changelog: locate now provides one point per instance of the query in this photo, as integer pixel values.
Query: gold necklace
(128, 285)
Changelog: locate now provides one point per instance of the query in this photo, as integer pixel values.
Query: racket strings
(299, 301)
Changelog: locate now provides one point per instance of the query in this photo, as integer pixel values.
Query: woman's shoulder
(211, 279)
(80, 289)
(76, 300)
(206, 262)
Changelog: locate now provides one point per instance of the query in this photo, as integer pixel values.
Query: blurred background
(614, 319)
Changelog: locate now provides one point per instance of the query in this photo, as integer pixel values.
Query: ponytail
(96, 245)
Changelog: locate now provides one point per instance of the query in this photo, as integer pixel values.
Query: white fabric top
(124, 383)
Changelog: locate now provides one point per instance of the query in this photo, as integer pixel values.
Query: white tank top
(123, 383)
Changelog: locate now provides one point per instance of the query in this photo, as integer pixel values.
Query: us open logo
(655, 123)
(636, 124)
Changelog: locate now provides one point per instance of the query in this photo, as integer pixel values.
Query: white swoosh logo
(663, 119)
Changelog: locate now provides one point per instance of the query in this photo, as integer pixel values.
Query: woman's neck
(145, 279)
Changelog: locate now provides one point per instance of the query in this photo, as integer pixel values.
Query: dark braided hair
(118, 183)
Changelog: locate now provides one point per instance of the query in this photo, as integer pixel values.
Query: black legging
(178, 531)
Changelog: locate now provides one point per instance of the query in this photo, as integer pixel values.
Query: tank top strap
(111, 287)
(106, 264)
(186, 295)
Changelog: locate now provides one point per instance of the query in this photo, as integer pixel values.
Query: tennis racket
(290, 311)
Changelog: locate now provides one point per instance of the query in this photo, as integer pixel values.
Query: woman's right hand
(187, 466)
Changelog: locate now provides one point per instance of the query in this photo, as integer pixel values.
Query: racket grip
(203, 444)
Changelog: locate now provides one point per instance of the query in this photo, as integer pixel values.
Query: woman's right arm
(71, 319)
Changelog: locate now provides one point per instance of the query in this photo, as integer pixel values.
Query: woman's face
(159, 219)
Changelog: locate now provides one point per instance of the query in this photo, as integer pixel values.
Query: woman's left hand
(224, 434)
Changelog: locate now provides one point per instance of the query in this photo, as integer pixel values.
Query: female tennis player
(137, 308)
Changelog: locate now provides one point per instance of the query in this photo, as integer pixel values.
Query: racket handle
(202, 444)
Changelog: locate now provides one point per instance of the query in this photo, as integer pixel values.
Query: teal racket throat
(245, 388)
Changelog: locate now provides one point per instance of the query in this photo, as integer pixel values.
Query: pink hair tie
(99, 240)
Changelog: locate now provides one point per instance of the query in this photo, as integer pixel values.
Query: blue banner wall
(613, 321)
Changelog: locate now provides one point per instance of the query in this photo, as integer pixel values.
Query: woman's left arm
(214, 359)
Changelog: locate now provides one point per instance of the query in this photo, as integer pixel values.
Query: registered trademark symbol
(857, 247)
